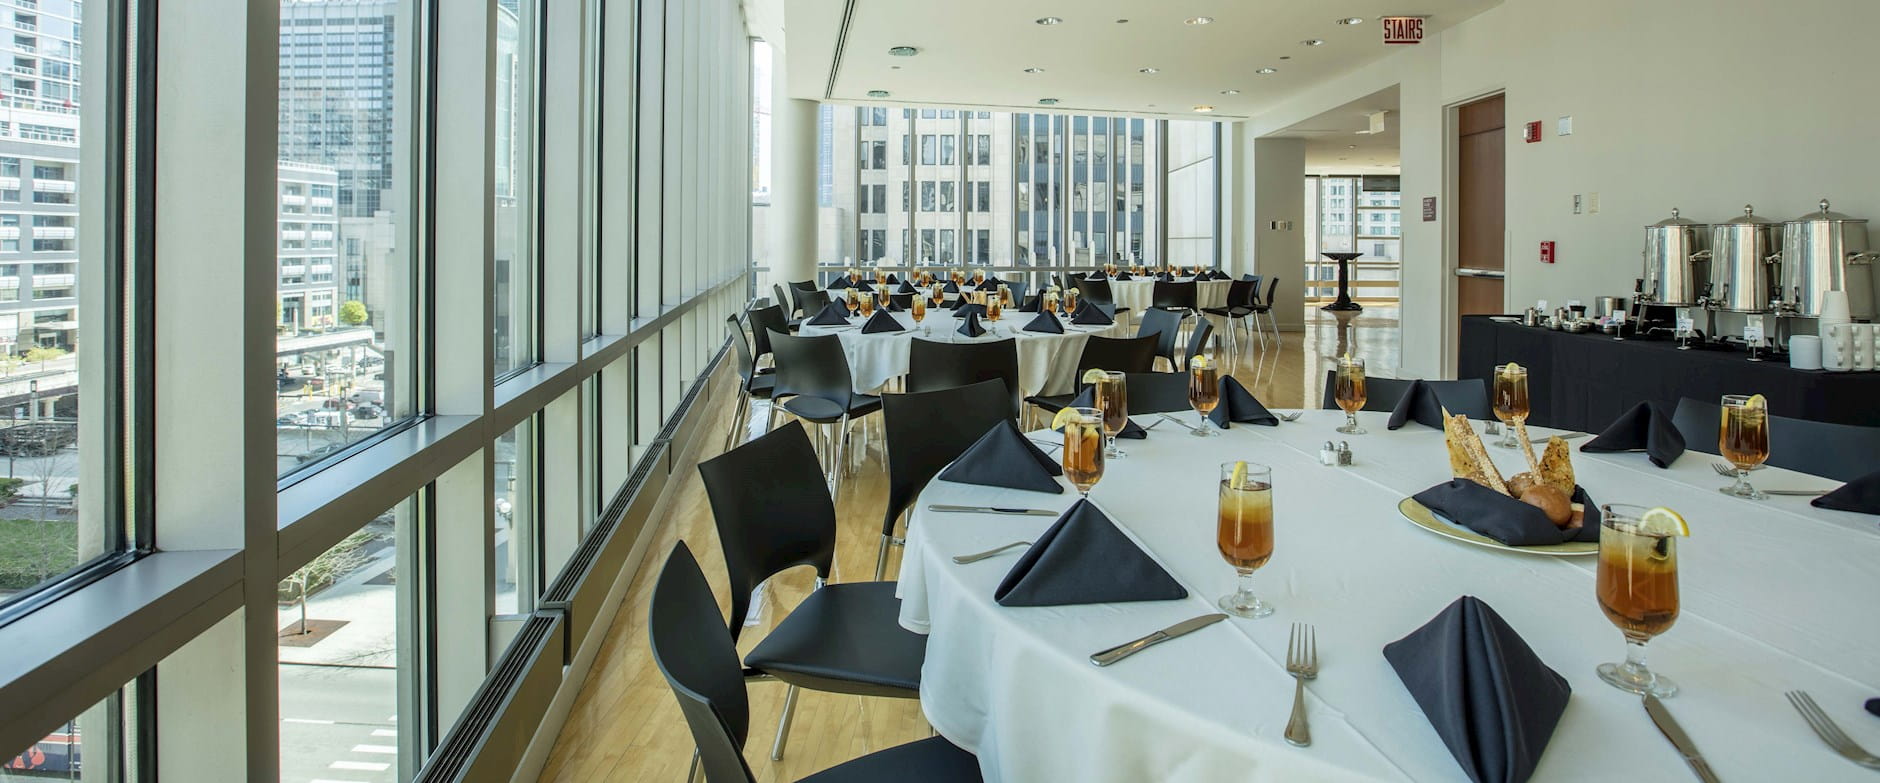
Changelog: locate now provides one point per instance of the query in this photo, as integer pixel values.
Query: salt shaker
(1344, 454)
(1328, 454)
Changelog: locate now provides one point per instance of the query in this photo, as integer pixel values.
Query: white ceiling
(1335, 146)
(974, 52)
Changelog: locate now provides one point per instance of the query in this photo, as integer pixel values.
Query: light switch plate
(1564, 127)
(1592, 203)
(1577, 201)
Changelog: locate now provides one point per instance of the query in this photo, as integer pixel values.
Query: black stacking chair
(1165, 326)
(700, 663)
(765, 320)
(1120, 354)
(1179, 297)
(813, 384)
(1842, 452)
(1019, 288)
(933, 366)
(1242, 295)
(1157, 392)
(1467, 396)
(1098, 292)
(806, 298)
(1197, 340)
(773, 514)
(1265, 307)
(918, 450)
(752, 382)
(903, 301)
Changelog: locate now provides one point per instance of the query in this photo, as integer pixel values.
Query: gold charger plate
(1423, 517)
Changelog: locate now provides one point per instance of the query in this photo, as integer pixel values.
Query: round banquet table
(1047, 363)
(1137, 292)
(1777, 595)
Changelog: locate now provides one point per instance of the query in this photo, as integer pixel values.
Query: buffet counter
(1584, 381)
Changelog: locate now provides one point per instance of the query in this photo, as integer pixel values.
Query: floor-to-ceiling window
(1361, 214)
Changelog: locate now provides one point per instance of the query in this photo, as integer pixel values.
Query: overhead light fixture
(1267, 70)
(1351, 146)
(1230, 92)
(1351, 20)
(1148, 70)
(1204, 108)
(1313, 42)
(1050, 20)
(1122, 21)
(1198, 20)
(1047, 101)
(1285, 57)
(904, 51)
(877, 93)
(1034, 70)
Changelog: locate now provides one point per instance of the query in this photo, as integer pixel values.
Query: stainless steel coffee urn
(1827, 251)
(1743, 256)
(1677, 261)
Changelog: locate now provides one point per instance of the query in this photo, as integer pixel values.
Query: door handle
(1492, 274)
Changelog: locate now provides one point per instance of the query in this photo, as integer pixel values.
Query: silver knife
(1029, 512)
(1126, 649)
(1680, 740)
(1804, 493)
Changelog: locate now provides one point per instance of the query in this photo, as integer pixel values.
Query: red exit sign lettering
(1403, 30)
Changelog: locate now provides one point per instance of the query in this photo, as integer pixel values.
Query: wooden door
(1481, 183)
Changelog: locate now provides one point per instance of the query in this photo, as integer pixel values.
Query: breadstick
(1473, 444)
(1527, 448)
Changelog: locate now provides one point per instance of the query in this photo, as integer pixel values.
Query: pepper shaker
(1344, 454)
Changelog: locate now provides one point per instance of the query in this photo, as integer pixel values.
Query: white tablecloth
(1047, 363)
(1137, 292)
(1777, 595)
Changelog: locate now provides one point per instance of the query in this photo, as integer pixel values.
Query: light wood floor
(626, 726)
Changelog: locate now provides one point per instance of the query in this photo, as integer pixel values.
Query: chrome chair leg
(881, 557)
(738, 417)
(839, 464)
(695, 773)
(783, 724)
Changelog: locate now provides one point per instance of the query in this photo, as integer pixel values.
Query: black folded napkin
(839, 284)
(892, 280)
(1123, 276)
(881, 321)
(1004, 457)
(863, 285)
(1238, 404)
(1091, 315)
(1493, 701)
(1097, 276)
(890, 305)
(1644, 427)
(1045, 322)
(1084, 559)
(970, 325)
(1088, 399)
(832, 314)
(951, 287)
(906, 287)
(1165, 277)
(1862, 495)
(1030, 305)
(1873, 706)
(1503, 518)
(1418, 403)
(961, 311)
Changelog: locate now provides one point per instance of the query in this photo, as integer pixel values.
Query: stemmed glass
(1113, 399)
(1511, 401)
(867, 304)
(1348, 390)
(1637, 585)
(1204, 393)
(853, 301)
(1245, 532)
(918, 308)
(1083, 448)
(1070, 301)
(1743, 439)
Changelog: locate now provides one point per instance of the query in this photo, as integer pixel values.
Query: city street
(338, 724)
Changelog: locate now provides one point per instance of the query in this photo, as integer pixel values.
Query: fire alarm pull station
(1547, 252)
(1532, 133)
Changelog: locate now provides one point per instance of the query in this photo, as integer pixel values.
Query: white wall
(1192, 194)
(1704, 105)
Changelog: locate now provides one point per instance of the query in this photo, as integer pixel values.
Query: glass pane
(85, 748)
(516, 60)
(516, 520)
(340, 631)
(344, 300)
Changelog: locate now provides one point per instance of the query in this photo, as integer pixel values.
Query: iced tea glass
(1511, 401)
(1743, 439)
(1204, 393)
(867, 303)
(853, 300)
(1244, 532)
(918, 308)
(1083, 448)
(1637, 584)
(1112, 396)
(1348, 390)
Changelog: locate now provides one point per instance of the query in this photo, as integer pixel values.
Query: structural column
(792, 220)
(1273, 184)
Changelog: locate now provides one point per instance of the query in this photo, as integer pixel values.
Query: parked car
(368, 412)
(367, 397)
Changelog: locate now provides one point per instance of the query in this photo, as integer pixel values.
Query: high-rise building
(38, 175)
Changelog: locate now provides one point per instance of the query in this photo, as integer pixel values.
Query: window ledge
(318, 511)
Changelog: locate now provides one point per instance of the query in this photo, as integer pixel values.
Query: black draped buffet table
(1584, 381)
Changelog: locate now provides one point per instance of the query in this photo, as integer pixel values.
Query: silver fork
(1302, 662)
(1830, 733)
(1294, 416)
(1724, 469)
(978, 556)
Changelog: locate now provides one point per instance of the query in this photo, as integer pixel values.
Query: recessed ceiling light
(1122, 21)
(1047, 101)
(1285, 57)
(1352, 20)
(1313, 42)
(877, 93)
(904, 51)
(894, 67)
(1267, 70)
(1050, 20)
(1230, 92)
(1148, 70)
(1344, 159)
(1200, 20)
(1204, 108)
(1351, 146)
(1034, 70)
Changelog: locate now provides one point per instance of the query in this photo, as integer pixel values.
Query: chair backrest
(1172, 294)
(1157, 392)
(804, 296)
(1198, 340)
(1271, 286)
(1165, 326)
(1019, 287)
(700, 662)
(1096, 291)
(741, 348)
(933, 366)
(926, 430)
(1842, 452)
(811, 367)
(1242, 293)
(780, 299)
(772, 510)
(765, 320)
(1120, 354)
(1466, 396)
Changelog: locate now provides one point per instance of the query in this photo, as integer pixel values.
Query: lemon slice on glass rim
(1093, 375)
(1239, 478)
(1064, 416)
(1756, 401)
(1663, 521)
(1200, 361)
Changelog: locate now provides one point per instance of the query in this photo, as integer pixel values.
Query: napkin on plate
(1238, 404)
(969, 325)
(1503, 518)
(1419, 404)
(1862, 495)
(962, 310)
(839, 284)
(1084, 559)
(1091, 315)
(1123, 276)
(1088, 399)
(1493, 701)
(881, 321)
(951, 287)
(1644, 427)
(1004, 457)
(1045, 322)
(832, 314)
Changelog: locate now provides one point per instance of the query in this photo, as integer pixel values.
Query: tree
(43, 354)
(352, 312)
